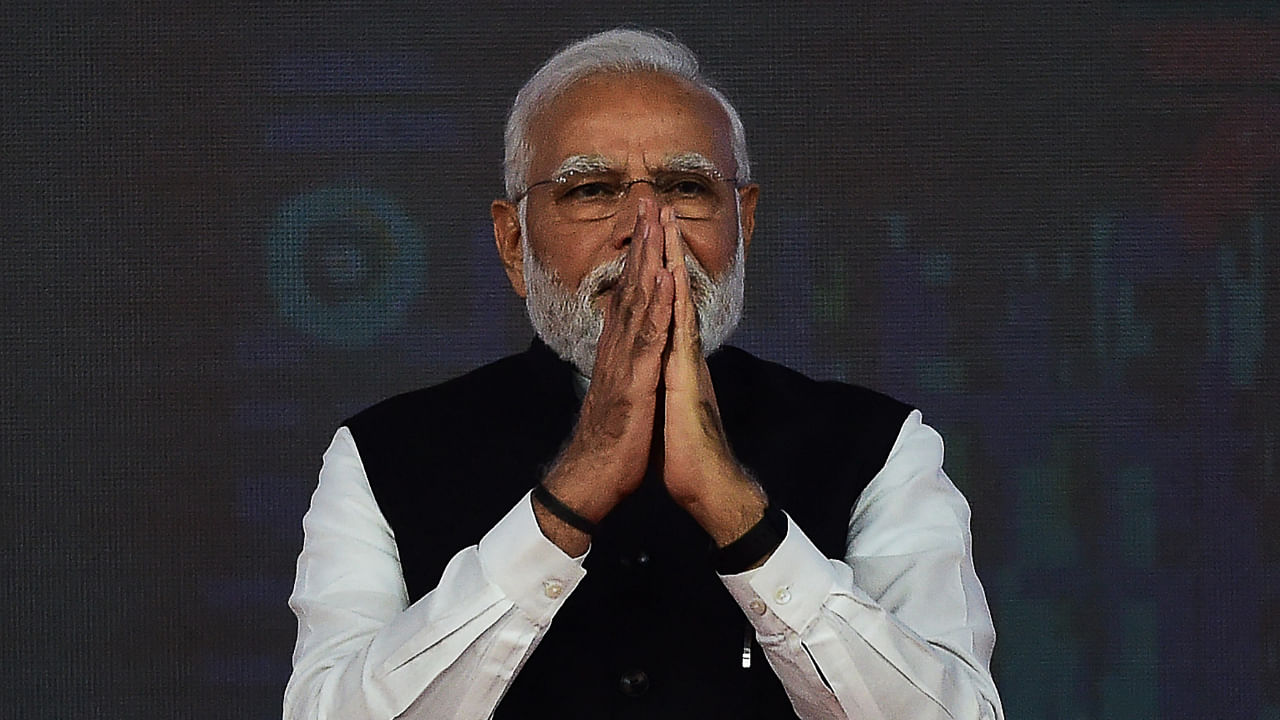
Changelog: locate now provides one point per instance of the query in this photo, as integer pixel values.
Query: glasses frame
(626, 186)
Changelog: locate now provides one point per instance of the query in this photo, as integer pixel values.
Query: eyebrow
(583, 164)
(680, 162)
(691, 162)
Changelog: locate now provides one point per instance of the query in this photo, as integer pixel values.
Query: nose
(637, 191)
(640, 205)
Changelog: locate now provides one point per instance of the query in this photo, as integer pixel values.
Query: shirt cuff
(787, 591)
(530, 570)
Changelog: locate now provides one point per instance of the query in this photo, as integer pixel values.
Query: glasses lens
(589, 197)
(693, 195)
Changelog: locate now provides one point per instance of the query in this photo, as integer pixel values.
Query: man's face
(638, 126)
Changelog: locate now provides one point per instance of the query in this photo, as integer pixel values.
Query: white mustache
(605, 277)
(569, 319)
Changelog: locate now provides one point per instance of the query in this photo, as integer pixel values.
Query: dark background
(1052, 226)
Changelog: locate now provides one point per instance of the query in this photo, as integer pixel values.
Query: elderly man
(624, 520)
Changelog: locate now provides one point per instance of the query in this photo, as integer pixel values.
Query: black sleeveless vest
(651, 631)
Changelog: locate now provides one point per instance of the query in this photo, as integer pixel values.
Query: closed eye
(686, 186)
(593, 190)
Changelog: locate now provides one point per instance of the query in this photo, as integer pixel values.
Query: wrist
(552, 504)
(570, 540)
(755, 546)
(727, 510)
(583, 492)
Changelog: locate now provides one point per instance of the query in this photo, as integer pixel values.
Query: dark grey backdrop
(1051, 226)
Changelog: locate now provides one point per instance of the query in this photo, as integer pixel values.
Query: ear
(507, 236)
(748, 196)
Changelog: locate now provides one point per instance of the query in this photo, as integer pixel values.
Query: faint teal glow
(1234, 306)
(897, 230)
(944, 375)
(830, 297)
(939, 268)
(1039, 646)
(344, 264)
(1103, 227)
(1046, 530)
(1065, 265)
(1131, 680)
(1243, 290)
(1030, 266)
(1132, 495)
(959, 461)
(1119, 335)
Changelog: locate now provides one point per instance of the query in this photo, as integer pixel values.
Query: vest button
(634, 683)
(637, 561)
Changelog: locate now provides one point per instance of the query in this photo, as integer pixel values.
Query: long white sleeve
(900, 628)
(364, 652)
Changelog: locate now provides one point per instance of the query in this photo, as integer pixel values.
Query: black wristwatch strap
(763, 538)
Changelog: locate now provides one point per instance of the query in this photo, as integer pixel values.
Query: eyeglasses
(586, 196)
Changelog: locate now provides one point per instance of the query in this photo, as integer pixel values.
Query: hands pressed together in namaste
(649, 352)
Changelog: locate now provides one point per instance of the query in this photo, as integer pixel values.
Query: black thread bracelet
(763, 538)
(562, 511)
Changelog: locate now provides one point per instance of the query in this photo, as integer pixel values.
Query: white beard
(570, 322)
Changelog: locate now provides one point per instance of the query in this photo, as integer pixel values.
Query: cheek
(565, 256)
(715, 250)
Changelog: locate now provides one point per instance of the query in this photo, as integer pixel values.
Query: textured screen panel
(1054, 231)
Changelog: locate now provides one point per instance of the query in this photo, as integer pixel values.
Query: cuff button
(783, 595)
(552, 588)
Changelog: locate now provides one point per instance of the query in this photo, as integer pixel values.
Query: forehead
(633, 120)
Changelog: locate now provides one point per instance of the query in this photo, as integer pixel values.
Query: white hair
(616, 51)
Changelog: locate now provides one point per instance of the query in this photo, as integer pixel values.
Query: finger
(628, 294)
(658, 315)
(673, 241)
(644, 302)
(635, 291)
(648, 238)
(658, 312)
(636, 246)
(685, 313)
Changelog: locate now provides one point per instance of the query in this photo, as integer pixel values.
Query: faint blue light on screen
(1119, 333)
(273, 503)
(345, 264)
(334, 101)
(373, 130)
(261, 349)
(347, 73)
(245, 669)
(240, 593)
(265, 414)
(1243, 290)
